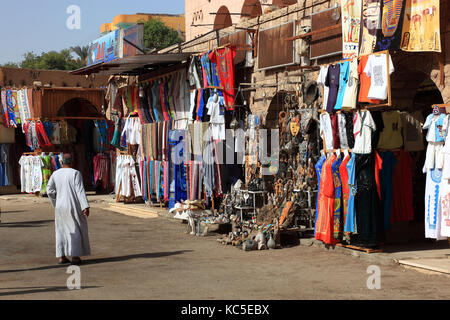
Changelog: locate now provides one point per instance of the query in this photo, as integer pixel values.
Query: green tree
(51, 60)
(158, 36)
(82, 52)
(11, 65)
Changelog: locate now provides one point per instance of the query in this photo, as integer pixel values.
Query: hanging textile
(224, 61)
(324, 225)
(421, 31)
(370, 23)
(46, 172)
(31, 174)
(390, 34)
(101, 170)
(351, 10)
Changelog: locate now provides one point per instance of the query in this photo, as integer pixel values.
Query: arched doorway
(251, 9)
(223, 18)
(78, 107)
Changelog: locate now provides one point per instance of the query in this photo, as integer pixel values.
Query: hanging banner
(351, 21)
(421, 30)
(390, 34)
(104, 49)
(371, 14)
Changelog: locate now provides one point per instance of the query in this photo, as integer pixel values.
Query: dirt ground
(155, 259)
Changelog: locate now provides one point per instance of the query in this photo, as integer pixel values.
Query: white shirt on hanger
(376, 69)
(326, 130)
(363, 125)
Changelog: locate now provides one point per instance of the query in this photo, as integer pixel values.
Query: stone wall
(412, 69)
(13, 77)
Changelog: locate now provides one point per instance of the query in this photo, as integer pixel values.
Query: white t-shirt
(351, 92)
(217, 117)
(321, 82)
(363, 125)
(326, 130)
(376, 69)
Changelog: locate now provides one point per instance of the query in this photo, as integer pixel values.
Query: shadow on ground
(104, 260)
(38, 290)
(25, 224)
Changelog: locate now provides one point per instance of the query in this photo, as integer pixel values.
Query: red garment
(224, 59)
(365, 82)
(378, 167)
(324, 224)
(42, 137)
(163, 103)
(345, 188)
(101, 170)
(335, 129)
(402, 189)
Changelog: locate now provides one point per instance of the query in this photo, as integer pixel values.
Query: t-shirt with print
(376, 69)
(351, 91)
(412, 131)
(224, 58)
(326, 131)
(365, 82)
(437, 127)
(343, 79)
(363, 125)
(332, 81)
(391, 136)
(342, 128)
(321, 82)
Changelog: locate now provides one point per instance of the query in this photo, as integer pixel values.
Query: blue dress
(318, 167)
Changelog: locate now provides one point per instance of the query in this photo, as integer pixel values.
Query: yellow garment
(391, 136)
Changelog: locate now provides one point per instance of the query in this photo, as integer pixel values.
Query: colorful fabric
(224, 60)
(351, 13)
(421, 30)
(337, 214)
(370, 21)
(390, 34)
(324, 226)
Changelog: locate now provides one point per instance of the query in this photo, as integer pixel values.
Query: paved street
(136, 258)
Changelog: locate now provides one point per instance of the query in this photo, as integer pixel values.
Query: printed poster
(371, 12)
(390, 34)
(351, 21)
(421, 30)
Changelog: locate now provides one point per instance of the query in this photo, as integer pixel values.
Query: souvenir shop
(48, 122)
(382, 167)
(172, 132)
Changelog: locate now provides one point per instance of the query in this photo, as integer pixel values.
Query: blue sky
(40, 25)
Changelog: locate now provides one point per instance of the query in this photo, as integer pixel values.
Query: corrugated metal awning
(134, 66)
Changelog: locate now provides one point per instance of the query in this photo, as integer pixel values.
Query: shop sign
(104, 49)
(135, 35)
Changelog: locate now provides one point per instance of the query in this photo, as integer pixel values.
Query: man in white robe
(67, 195)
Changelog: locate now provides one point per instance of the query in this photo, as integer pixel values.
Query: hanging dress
(324, 226)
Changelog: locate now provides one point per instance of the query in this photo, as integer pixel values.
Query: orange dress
(325, 215)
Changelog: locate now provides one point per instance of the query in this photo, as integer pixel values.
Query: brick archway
(251, 9)
(223, 18)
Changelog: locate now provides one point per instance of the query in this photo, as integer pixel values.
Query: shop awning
(133, 66)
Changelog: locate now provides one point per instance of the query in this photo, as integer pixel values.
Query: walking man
(67, 195)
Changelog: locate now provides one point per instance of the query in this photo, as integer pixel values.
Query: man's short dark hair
(67, 159)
